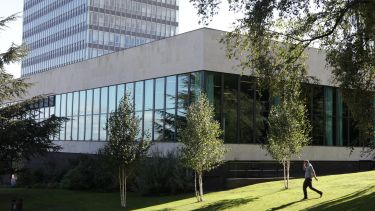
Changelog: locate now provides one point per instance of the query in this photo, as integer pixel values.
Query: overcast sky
(187, 17)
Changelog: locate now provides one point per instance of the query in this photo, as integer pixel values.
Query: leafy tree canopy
(21, 136)
(344, 29)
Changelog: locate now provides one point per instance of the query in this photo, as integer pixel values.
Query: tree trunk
(122, 183)
(287, 173)
(195, 186)
(284, 170)
(200, 187)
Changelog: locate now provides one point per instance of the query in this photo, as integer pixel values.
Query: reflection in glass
(95, 127)
(158, 125)
(170, 92)
(103, 131)
(140, 117)
(318, 115)
(112, 99)
(170, 125)
(120, 93)
(89, 98)
(183, 95)
(247, 106)
(130, 92)
(63, 105)
(104, 100)
(148, 124)
(75, 103)
(96, 105)
(88, 128)
(138, 96)
(69, 104)
(74, 128)
(328, 109)
(159, 93)
(58, 105)
(195, 86)
(81, 128)
(230, 107)
(82, 102)
(68, 130)
(149, 94)
(213, 90)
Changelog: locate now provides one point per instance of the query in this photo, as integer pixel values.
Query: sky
(188, 21)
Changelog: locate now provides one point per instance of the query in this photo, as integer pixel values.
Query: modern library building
(164, 76)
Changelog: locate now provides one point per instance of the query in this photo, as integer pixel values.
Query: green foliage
(288, 131)
(273, 36)
(163, 174)
(21, 137)
(89, 174)
(123, 148)
(203, 149)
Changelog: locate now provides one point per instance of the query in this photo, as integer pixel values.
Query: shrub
(89, 174)
(163, 175)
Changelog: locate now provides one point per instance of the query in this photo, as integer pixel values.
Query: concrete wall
(191, 51)
(239, 152)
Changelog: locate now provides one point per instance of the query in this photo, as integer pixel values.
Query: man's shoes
(321, 194)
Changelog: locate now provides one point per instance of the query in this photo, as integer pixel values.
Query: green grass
(341, 192)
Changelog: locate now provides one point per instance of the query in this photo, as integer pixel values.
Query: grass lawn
(341, 192)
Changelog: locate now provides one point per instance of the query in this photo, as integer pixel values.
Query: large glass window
(195, 85)
(159, 109)
(130, 92)
(214, 91)
(328, 109)
(247, 109)
(171, 92)
(149, 94)
(82, 102)
(120, 94)
(112, 99)
(138, 96)
(75, 103)
(318, 115)
(96, 101)
(104, 100)
(230, 107)
(159, 93)
(95, 127)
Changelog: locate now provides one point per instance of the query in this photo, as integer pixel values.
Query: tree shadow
(286, 205)
(358, 200)
(226, 204)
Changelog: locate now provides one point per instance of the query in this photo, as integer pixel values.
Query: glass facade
(161, 105)
(61, 32)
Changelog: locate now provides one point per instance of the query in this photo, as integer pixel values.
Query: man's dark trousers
(308, 183)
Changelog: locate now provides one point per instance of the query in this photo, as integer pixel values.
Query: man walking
(309, 173)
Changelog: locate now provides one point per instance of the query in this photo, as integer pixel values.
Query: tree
(203, 149)
(21, 136)
(344, 29)
(288, 130)
(123, 149)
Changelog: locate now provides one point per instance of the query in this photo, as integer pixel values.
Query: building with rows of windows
(61, 32)
(163, 77)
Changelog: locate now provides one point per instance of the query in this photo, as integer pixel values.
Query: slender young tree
(203, 149)
(124, 150)
(288, 132)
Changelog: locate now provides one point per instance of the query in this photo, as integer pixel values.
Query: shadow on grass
(285, 205)
(226, 204)
(359, 200)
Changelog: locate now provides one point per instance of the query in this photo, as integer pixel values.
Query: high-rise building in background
(61, 32)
